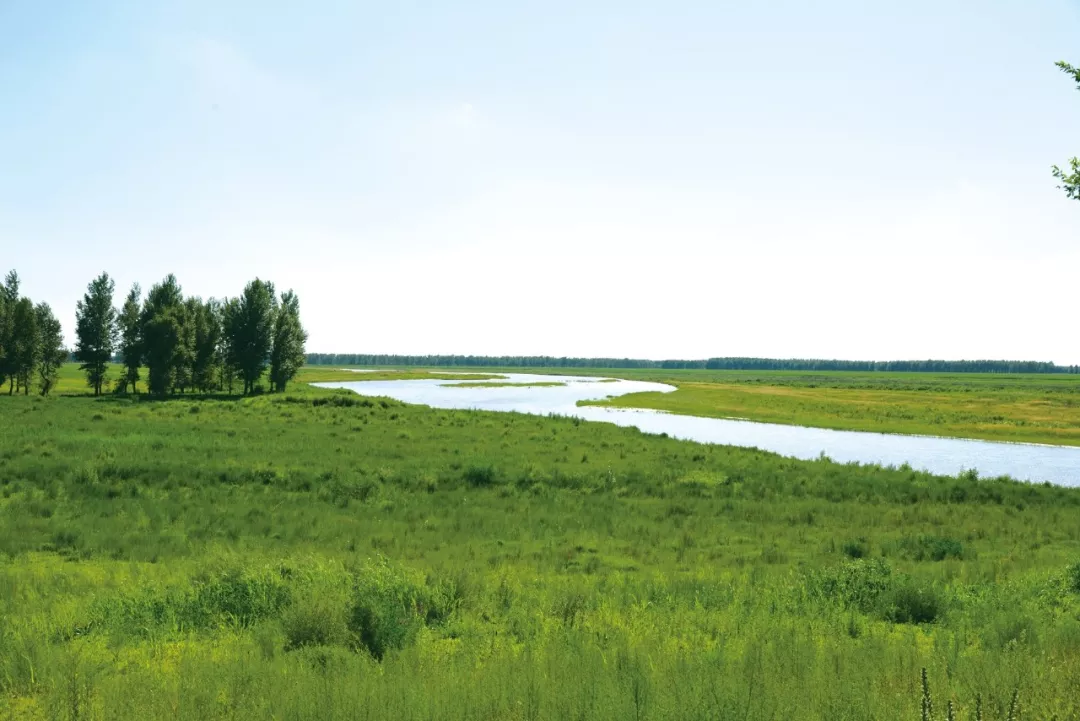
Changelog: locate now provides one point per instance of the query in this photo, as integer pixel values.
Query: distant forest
(744, 364)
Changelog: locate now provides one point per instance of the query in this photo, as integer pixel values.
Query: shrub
(341, 401)
(1073, 577)
(856, 584)
(480, 476)
(388, 609)
(929, 548)
(232, 599)
(236, 599)
(873, 588)
(314, 621)
(856, 548)
(1012, 629)
(910, 602)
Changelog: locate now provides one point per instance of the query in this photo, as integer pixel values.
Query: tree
(287, 355)
(25, 345)
(95, 328)
(184, 353)
(131, 339)
(9, 296)
(207, 325)
(251, 330)
(161, 323)
(51, 353)
(226, 348)
(1070, 181)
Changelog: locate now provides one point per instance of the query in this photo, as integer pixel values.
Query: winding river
(945, 456)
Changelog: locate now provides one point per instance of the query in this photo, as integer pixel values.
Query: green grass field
(318, 555)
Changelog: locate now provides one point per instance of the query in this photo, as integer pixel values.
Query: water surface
(946, 456)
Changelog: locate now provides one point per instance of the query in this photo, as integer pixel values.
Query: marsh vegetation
(316, 554)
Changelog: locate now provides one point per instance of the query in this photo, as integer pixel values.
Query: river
(946, 456)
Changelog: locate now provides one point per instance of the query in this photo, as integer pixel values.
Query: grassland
(318, 555)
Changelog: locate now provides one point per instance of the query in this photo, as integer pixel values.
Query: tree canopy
(287, 355)
(251, 328)
(1070, 177)
(95, 330)
(51, 352)
(130, 332)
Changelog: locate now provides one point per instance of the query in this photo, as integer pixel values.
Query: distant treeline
(763, 364)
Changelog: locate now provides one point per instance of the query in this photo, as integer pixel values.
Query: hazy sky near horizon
(603, 178)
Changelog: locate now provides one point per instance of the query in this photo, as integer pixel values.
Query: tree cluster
(753, 364)
(182, 343)
(191, 344)
(1070, 179)
(31, 342)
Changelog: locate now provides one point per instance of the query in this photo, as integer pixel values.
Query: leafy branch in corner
(1070, 181)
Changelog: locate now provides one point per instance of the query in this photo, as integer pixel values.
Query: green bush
(314, 621)
(928, 548)
(338, 401)
(911, 602)
(388, 609)
(856, 584)
(480, 476)
(856, 548)
(1073, 577)
(233, 599)
(870, 586)
(236, 599)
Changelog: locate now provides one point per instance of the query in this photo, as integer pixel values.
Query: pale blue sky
(665, 179)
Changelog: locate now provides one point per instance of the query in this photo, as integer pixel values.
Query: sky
(676, 179)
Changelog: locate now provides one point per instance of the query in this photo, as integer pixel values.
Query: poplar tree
(9, 296)
(251, 330)
(207, 324)
(161, 324)
(95, 329)
(1070, 181)
(25, 344)
(287, 355)
(184, 354)
(226, 348)
(131, 339)
(51, 353)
